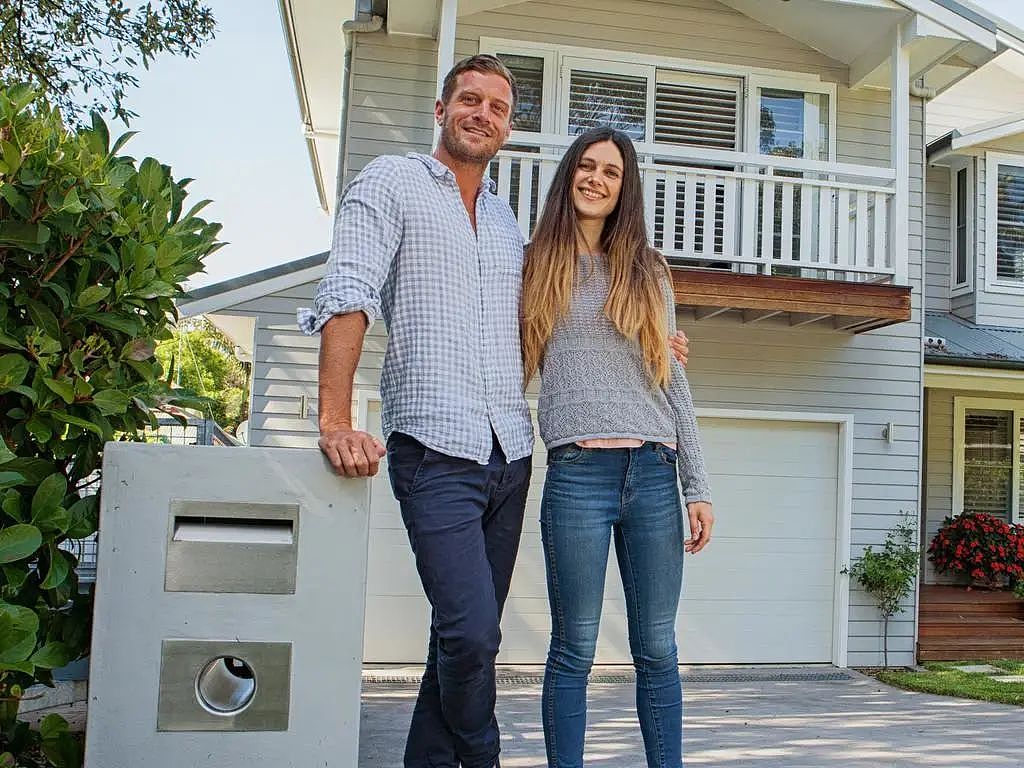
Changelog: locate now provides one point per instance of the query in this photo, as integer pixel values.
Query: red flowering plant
(983, 548)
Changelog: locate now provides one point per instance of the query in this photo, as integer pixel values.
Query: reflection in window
(988, 462)
(598, 99)
(529, 74)
(1010, 223)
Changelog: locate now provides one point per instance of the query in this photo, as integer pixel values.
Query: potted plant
(987, 551)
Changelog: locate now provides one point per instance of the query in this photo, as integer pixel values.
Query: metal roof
(956, 341)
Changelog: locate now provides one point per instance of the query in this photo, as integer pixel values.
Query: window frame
(991, 212)
(955, 167)
(960, 407)
(757, 82)
(554, 112)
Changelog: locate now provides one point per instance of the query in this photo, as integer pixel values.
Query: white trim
(446, 23)
(992, 162)
(957, 165)
(899, 155)
(755, 83)
(983, 133)
(252, 291)
(844, 496)
(500, 44)
(960, 407)
(606, 67)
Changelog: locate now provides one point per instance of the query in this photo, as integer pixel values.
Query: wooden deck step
(972, 626)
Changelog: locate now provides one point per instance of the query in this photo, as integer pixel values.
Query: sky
(230, 119)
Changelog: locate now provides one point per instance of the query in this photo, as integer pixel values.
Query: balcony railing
(756, 214)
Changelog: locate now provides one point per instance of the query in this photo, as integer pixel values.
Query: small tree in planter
(979, 547)
(888, 576)
(93, 249)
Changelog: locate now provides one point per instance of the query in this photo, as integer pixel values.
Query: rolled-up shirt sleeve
(367, 233)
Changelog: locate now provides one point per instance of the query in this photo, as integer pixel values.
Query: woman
(614, 408)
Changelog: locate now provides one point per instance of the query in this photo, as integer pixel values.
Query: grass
(942, 678)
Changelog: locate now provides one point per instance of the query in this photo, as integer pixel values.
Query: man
(424, 242)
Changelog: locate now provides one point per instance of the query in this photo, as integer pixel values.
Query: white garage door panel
(763, 592)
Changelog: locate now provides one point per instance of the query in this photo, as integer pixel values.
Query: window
(988, 454)
(529, 74)
(961, 226)
(606, 99)
(1004, 223)
(793, 123)
(1010, 224)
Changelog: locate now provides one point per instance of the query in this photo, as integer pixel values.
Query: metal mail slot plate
(182, 663)
(231, 547)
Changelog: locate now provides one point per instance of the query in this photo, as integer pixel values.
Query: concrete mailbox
(230, 594)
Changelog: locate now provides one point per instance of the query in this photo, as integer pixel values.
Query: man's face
(477, 119)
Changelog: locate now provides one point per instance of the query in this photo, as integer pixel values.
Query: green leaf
(71, 202)
(53, 521)
(21, 666)
(9, 342)
(84, 517)
(28, 392)
(59, 569)
(6, 454)
(18, 542)
(118, 322)
(13, 369)
(53, 725)
(99, 128)
(44, 318)
(34, 469)
(67, 418)
(19, 233)
(158, 288)
(18, 628)
(121, 141)
(168, 253)
(111, 402)
(94, 294)
(63, 388)
(39, 429)
(11, 479)
(18, 202)
(52, 656)
(151, 178)
(49, 494)
(15, 576)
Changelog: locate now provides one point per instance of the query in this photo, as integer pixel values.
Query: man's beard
(461, 151)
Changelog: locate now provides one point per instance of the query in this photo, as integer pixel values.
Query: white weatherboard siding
(938, 457)
(873, 377)
(937, 240)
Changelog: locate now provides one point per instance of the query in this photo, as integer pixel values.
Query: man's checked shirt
(404, 250)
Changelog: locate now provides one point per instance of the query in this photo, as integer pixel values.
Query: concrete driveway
(775, 718)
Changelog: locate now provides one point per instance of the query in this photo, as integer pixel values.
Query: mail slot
(231, 547)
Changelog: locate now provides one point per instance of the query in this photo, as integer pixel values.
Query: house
(783, 156)
(974, 343)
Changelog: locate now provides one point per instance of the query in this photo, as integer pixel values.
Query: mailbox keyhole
(226, 686)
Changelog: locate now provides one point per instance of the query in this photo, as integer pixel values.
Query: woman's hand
(680, 347)
(702, 520)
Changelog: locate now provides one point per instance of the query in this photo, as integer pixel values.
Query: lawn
(943, 678)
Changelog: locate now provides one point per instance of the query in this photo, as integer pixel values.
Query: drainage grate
(380, 677)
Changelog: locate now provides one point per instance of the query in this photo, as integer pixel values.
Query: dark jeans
(591, 497)
(464, 520)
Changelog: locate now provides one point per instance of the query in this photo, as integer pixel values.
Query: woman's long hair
(635, 304)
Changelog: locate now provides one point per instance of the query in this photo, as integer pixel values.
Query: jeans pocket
(406, 459)
(666, 454)
(565, 454)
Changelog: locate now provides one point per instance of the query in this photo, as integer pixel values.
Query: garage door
(762, 593)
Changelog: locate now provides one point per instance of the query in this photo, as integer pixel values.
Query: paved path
(856, 722)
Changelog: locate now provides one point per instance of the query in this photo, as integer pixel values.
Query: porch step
(970, 650)
(966, 627)
(931, 613)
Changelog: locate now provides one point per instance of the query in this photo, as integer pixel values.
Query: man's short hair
(482, 62)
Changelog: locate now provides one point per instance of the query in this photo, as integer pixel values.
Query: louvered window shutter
(1010, 235)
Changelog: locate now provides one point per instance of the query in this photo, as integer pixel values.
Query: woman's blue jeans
(591, 496)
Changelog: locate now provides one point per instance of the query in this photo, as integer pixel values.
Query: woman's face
(597, 182)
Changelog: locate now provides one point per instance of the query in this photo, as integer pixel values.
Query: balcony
(804, 241)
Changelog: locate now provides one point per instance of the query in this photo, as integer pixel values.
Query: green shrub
(93, 249)
(888, 576)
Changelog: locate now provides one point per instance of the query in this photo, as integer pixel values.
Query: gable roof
(227, 293)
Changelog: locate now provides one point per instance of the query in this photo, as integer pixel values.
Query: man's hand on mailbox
(351, 452)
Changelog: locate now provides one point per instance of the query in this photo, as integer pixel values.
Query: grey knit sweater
(594, 384)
